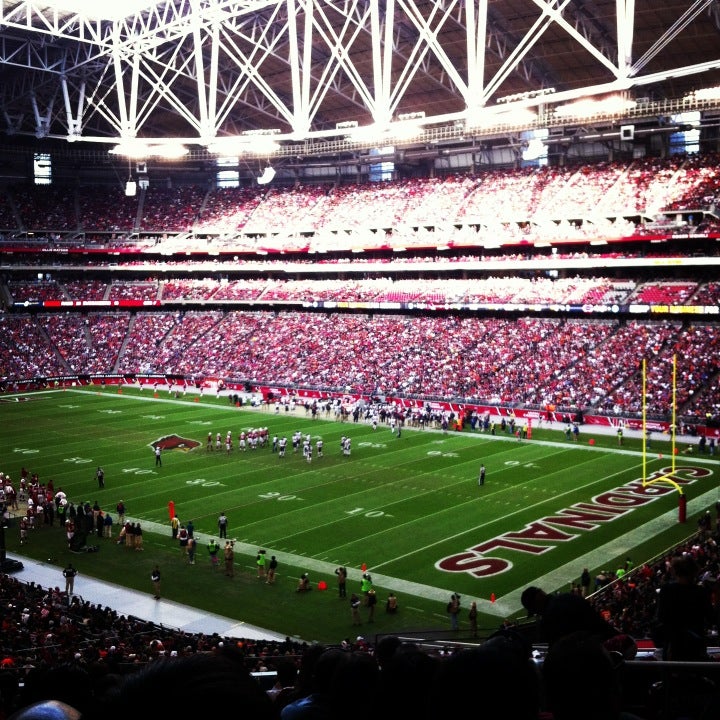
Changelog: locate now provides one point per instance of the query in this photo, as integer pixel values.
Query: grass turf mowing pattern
(399, 505)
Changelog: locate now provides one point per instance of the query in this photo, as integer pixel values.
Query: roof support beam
(42, 119)
(625, 23)
(475, 32)
(523, 48)
(428, 43)
(226, 66)
(74, 122)
(206, 78)
(680, 24)
(556, 15)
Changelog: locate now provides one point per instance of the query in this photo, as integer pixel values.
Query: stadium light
(485, 117)
(260, 144)
(169, 151)
(405, 131)
(261, 132)
(138, 149)
(420, 115)
(100, 10)
(710, 93)
(227, 146)
(588, 107)
(528, 95)
(131, 149)
(377, 132)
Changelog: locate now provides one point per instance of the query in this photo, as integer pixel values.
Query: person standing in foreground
(158, 457)
(561, 614)
(473, 618)
(303, 584)
(69, 574)
(222, 525)
(341, 573)
(481, 477)
(372, 602)
(272, 568)
(213, 550)
(684, 613)
(120, 510)
(155, 578)
(355, 609)
(453, 608)
(585, 582)
(229, 554)
(183, 539)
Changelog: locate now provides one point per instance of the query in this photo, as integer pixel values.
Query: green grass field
(409, 508)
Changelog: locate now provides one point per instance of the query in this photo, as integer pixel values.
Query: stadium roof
(199, 70)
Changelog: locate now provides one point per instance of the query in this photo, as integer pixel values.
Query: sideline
(141, 605)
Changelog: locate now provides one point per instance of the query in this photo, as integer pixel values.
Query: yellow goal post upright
(667, 477)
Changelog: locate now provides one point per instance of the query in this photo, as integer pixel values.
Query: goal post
(667, 477)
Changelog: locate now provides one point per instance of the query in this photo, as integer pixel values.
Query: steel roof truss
(680, 24)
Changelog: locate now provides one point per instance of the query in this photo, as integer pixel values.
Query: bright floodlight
(588, 107)
(492, 117)
(243, 144)
(140, 149)
(101, 10)
(709, 93)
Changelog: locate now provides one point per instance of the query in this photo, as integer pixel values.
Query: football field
(407, 508)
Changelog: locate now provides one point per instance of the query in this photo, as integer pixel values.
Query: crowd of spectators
(82, 289)
(43, 630)
(669, 293)
(133, 291)
(576, 202)
(172, 209)
(493, 289)
(529, 361)
(109, 211)
(629, 600)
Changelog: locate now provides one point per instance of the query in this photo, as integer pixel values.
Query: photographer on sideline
(341, 573)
